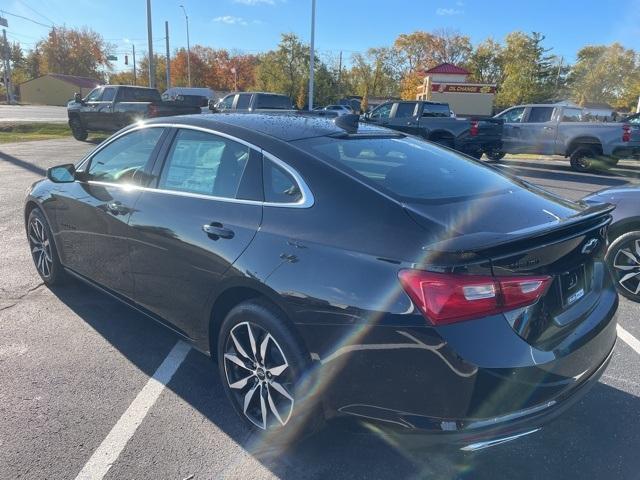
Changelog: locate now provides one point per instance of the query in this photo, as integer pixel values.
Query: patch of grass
(24, 132)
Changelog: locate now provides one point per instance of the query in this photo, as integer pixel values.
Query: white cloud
(448, 11)
(255, 2)
(231, 20)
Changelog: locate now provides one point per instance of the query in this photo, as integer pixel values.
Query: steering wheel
(126, 174)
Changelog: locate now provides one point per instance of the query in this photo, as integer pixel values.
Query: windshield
(409, 169)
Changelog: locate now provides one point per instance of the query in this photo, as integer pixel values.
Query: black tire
(444, 141)
(583, 158)
(477, 154)
(43, 249)
(297, 418)
(622, 265)
(495, 155)
(77, 129)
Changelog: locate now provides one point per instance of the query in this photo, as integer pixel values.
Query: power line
(36, 12)
(27, 18)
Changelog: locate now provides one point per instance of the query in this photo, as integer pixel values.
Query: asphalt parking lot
(73, 361)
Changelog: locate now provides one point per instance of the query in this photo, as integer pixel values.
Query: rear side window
(129, 94)
(203, 163)
(405, 110)
(540, 114)
(408, 168)
(124, 159)
(108, 94)
(435, 110)
(572, 115)
(274, 102)
(279, 185)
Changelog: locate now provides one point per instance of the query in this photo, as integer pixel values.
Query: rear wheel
(444, 141)
(265, 370)
(583, 158)
(623, 258)
(43, 249)
(77, 129)
(494, 155)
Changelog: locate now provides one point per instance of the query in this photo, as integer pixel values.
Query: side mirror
(62, 173)
(77, 98)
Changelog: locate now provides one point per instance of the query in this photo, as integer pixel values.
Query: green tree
(485, 62)
(527, 70)
(606, 73)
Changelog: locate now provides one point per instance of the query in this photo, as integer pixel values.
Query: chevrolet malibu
(334, 269)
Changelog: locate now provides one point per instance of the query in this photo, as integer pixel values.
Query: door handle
(548, 128)
(216, 230)
(117, 208)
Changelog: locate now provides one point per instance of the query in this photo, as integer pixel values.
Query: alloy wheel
(626, 265)
(40, 247)
(259, 375)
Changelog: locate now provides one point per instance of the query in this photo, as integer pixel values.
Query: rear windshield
(275, 102)
(408, 168)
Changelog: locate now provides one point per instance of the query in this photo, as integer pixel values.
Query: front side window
(513, 116)
(405, 109)
(227, 102)
(279, 185)
(383, 111)
(540, 114)
(124, 159)
(204, 163)
(94, 95)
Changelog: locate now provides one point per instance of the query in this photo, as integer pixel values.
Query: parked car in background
(339, 109)
(191, 95)
(623, 254)
(565, 130)
(337, 269)
(251, 102)
(112, 107)
(433, 121)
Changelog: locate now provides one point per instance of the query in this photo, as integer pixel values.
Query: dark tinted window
(108, 94)
(279, 186)
(405, 109)
(275, 102)
(435, 110)
(243, 101)
(226, 102)
(203, 163)
(131, 94)
(123, 160)
(540, 114)
(410, 169)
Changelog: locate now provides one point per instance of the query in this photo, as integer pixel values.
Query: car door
(511, 133)
(104, 114)
(188, 231)
(405, 117)
(93, 211)
(89, 110)
(538, 131)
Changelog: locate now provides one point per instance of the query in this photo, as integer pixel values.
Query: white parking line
(113, 444)
(629, 339)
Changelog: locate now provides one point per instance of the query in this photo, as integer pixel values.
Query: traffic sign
(112, 58)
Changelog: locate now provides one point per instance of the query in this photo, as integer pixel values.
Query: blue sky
(349, 25)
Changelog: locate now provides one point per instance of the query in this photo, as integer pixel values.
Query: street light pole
(186, 18)
(312, 57)
(152, 63)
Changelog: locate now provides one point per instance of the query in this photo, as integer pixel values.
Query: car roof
(285, 126)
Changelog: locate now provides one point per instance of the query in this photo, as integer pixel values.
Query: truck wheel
(583, 158)
(495, 155)
(444, 141)
(77, 130)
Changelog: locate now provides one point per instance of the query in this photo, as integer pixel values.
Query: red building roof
(449, 69)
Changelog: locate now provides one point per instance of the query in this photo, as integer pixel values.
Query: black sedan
(623, 255)
(333, 270)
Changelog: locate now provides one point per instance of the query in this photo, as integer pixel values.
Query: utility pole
(312, 53)
(135, 74)
(6, 55)
(186, 18)
(166, 34)
(340, 75)
(558, 74)
(152, 63)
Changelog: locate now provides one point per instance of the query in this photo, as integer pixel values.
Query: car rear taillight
(626, 133)
(448, 298)
(473, 131)
(152, 111)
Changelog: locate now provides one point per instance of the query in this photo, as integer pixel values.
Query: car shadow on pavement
(597, 438)
(542, 169)
(5, 157)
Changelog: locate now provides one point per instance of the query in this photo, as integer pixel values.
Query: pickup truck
(111, 107)
(251, 102)
(547, 129)
(433, 121)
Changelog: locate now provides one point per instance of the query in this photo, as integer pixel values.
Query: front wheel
(77, 129)
(43, 249)
(623, 258)
(265, 370)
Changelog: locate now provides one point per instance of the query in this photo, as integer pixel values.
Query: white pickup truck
(566, 130)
